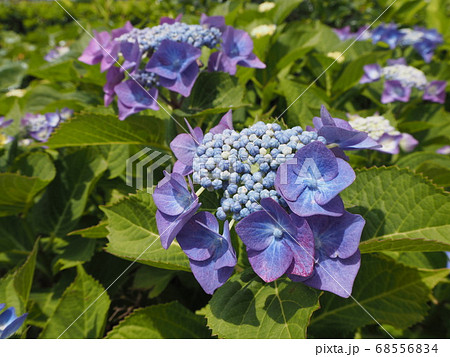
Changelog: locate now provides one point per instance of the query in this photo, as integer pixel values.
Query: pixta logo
(142, 165)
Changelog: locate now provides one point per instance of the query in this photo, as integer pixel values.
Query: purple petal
(435, 91)
(208, 276)
(306, 205)
(407, 142)
(445, 150)
(169, 20)
(392, 62)
(213, 21)
(302, 247)
(372, 73)
(337, 237)
(395, 91)
(334, 275)
(182, 169)
(272, 262)
(326, 191)
(252, 62)
(199, 236)
(172, 197)
(113, 77)
(132, 98)
(184, 82)
(225, 123)
(389, 143)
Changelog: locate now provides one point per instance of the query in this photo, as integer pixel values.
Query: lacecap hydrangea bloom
(380, 129)
(139, 62)
(40, 126)
(423, 40)
(281, 187)
(399, 81)
(10, 322)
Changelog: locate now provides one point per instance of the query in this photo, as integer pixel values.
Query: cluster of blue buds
(150, 38)
(244, 164)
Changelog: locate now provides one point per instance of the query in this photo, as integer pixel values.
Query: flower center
(277, 233)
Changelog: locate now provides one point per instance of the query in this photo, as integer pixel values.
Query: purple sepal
(390, 144)
(372, 73)
(225, 123)
(435, 91)
(132, 98)
(213, 21)
(169, 20)
(395, 91)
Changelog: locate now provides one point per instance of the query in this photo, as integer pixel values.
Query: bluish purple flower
(372, 73)
(176, 65)
(132, 55)
(103, 49)
(390, 144)
(445, 150)
(213, 21)
(132, 98)
(9, 322)
(41, 126)
(336, 253)
(408, 142)
(388, 34)
(340, 132)
(184, 147)
(236, 49)
(211, 254)
(392, 62)
(176, 206)
(345, 33)
(276, 242)
(311, 181)
(113, 77)
(395, 91)
(5, 139)
(56, 53)
(435, 91)
(169, 20)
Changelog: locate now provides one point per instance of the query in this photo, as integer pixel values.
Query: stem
(231, 223)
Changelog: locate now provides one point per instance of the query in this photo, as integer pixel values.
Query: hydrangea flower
(382, 132)
(103, 48)
(435, 91)
(176, 65)
(236, 49)
(423, 40)
(176, 205)
(166, 55)
(41, 126)
(400, 79)
(276, 242)
(9, 322)
(445, 150)
(56, 53)
(311, 182)
(337, 258)
(5, 139)
(132, 98)
(341, 133)
(211, 254)
(243, 164)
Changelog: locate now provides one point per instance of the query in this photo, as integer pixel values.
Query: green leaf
(170, 320)
(62, 71)
(133, 234)
(403, 211)
(246, 307)
(95, 232)
(72, 252)
(17, 192)
(116, 156)
(392, 293)
(153, 279)
(88, 129)
(214, 92)
(15, 287)
(63, 203)
(36, 164)
(79, 296)
(11, 74)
